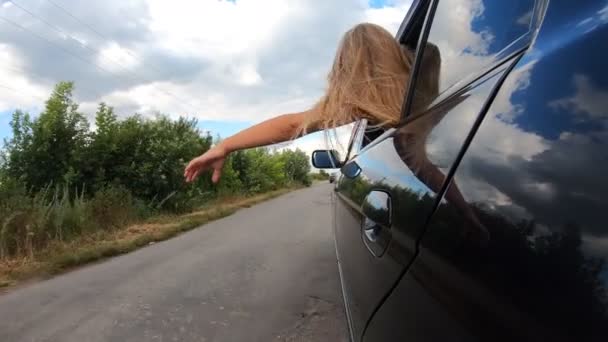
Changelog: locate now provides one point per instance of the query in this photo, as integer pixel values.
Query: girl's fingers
(195, 174)
(188, 169)
(217, 173)
(191, 174)
(197, 165)
(191, 169)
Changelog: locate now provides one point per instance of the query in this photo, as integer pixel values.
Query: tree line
(60, 178)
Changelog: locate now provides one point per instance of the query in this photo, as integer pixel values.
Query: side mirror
(326, 159)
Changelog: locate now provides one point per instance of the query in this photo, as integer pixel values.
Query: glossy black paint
(381, 167)
(366, 278)
(536, 178)
(377, 212)
(514, 246)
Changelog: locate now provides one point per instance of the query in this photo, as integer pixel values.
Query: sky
(229, 64)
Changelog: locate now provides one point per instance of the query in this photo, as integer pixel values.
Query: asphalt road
(266, 273)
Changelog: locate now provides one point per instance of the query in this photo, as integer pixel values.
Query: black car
(483, 215)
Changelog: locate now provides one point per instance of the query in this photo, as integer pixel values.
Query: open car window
(409, 36)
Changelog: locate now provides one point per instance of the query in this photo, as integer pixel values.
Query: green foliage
(322, 175)
(146, 156)
(258, 170)
(59, 179)
(111, 207)
(296, 165)
(29, 222)
(47, 149)
(230, 183)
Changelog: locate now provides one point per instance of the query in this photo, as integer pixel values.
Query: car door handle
(377, 212)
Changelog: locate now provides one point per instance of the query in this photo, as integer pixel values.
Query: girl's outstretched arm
(272, 131)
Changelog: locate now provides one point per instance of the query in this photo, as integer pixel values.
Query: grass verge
(60, 257)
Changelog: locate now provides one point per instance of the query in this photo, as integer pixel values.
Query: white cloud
(584, 22)
(247, 75)
(463, 50)
(603, 13)
(389, 17)
(218, 29)
(518, 79)
(16, 89)
(526, 18)
(117, 58)
(588, 101)
(220, 60)
(499, 134)
(521, 174)
(497, 144)
(498, 139)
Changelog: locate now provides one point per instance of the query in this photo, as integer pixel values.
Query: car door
(366, 274)
(390, 188)
(522, 255)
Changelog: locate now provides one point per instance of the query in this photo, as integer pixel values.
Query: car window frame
(419, 10)
(510, 50)
(356, 139)
(427, 19)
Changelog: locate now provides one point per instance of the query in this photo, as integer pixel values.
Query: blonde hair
(368, 80)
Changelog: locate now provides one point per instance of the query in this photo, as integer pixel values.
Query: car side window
(464, 43)
(356, 137)
(408, 36)
(446, 104)
(410, 31)
(429, 142)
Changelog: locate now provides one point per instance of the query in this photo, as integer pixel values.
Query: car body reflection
(535, 177)
(496, 179)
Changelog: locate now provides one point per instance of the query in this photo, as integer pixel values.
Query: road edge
(88, 250)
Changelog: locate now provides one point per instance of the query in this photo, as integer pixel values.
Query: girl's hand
(212, 159)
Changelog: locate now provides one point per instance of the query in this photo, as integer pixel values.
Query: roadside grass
(59, 257)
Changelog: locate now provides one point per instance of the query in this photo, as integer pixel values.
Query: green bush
(322, 175)
(60, 179)
(30, 222)
(143, 210)
(307, 181)
(112, 207)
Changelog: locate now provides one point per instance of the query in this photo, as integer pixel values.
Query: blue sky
(5, 117)
(223, 128)
(377, 3)
(562, 85)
